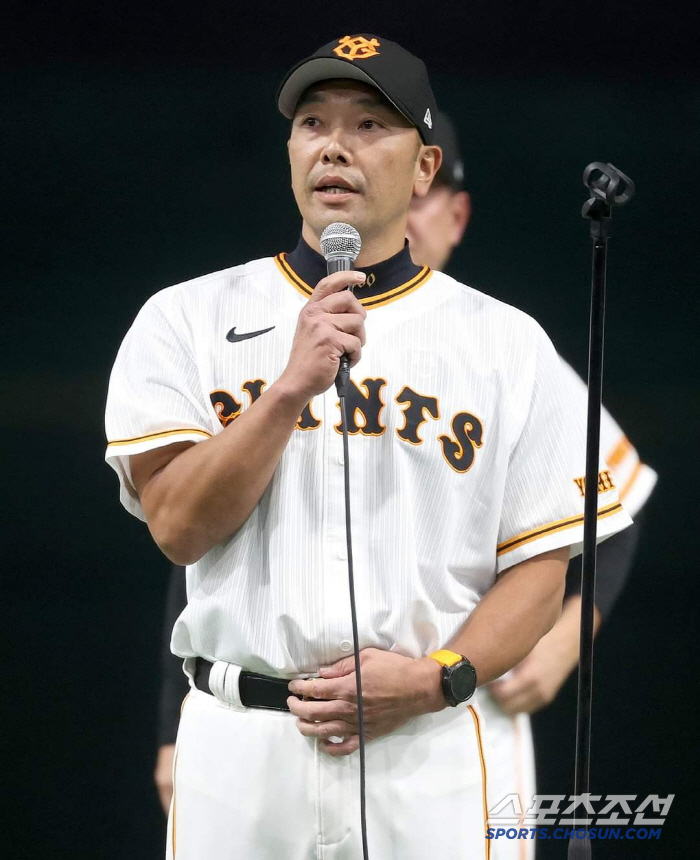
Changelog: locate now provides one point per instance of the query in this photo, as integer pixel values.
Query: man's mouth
(335, 189)
(334, 186)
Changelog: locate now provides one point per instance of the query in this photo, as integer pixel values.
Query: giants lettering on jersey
(365, 417)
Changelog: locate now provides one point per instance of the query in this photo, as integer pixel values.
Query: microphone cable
(341, 383)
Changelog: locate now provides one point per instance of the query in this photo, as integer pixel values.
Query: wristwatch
(458, 676)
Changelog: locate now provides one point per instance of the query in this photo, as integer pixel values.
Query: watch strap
(446, 658)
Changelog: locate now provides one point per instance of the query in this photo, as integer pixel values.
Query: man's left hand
(394, 689)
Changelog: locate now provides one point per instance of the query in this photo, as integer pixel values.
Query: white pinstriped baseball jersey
(464, 458)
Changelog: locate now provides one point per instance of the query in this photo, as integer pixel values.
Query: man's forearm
(513, 615)
(564, 637)
(209, 490)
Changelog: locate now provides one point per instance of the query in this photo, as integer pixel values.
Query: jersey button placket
(338, 602)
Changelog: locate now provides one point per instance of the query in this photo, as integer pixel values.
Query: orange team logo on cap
(356, 48)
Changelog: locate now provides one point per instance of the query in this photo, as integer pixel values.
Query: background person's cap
(451, 172)
(394, 71)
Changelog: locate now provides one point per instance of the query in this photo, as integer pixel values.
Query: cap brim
(319, 69)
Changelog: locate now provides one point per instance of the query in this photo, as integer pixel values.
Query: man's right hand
(331, 323)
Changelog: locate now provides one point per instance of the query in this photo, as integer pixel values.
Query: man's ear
(427, 165)
(461, 210)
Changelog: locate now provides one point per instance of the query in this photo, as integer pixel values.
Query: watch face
(463, 681)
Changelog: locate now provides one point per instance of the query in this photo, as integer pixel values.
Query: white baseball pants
(510, 753)
(249, 786)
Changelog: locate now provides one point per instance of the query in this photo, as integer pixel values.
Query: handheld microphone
(340, 245)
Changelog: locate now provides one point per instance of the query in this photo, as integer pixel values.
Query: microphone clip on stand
(608, 187)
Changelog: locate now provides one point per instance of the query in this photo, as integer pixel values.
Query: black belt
(256, 691)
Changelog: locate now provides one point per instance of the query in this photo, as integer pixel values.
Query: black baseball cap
(451, 172)
(400, 76)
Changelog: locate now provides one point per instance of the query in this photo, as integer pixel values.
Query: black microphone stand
(609, 187)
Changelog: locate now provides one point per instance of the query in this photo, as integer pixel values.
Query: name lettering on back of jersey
(365, 406)
(605, 483)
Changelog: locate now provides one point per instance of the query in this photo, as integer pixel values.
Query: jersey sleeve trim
(631, 480)
(552, 528)
(623, 448)
(136, 439)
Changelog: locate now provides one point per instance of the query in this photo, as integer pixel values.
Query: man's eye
(310, 121)
(370, 124)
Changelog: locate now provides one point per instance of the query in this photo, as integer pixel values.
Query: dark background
(143, 148)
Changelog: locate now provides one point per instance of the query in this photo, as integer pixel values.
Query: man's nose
(335, 150)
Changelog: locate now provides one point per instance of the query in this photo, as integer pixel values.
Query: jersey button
(341, 460)
(342, 553)
(346, 645)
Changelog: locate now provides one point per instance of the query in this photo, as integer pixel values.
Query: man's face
(436, 224)
(355, 158)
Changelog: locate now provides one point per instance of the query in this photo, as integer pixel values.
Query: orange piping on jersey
(480, 743)
(552, 528)
(158, 436)
(398, 292)
(369, 302)
(182, 706)
(292, 276)
(619, 452)
(631, 480)
(519, 752)
(174, 815)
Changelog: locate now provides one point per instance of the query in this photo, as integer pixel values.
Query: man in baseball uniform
(436, 225)
(224, 429)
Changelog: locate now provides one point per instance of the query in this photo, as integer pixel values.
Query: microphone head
(340, 240)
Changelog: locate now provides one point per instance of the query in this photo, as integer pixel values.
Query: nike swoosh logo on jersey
(232, 337)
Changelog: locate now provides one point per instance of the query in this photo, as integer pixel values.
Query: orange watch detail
(446, 658)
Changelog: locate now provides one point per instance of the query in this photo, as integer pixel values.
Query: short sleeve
(155, 395)
(545, 484)
(634, 479)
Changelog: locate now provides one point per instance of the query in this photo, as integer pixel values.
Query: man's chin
(346, 205)
(319, 220)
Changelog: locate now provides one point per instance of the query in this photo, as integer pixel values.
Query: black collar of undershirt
(382, 278)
